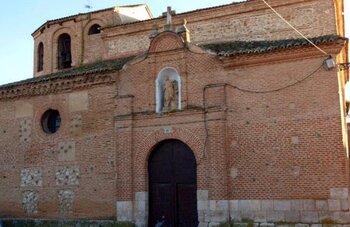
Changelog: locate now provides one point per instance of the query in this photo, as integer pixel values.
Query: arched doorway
(172, 185)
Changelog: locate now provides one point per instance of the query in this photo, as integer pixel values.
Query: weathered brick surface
(265, 129)
(94, 184)
(284, 141)
(244, 21)
(81, 42)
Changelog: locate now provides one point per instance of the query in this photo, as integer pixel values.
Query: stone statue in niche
(171, 94)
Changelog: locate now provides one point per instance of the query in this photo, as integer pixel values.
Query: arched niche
(64, 51)
(173, 76)
(94, 29)
(40, 57)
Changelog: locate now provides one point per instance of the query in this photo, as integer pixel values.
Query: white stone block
(140, 205)
(341, 217)
(141, 196)
(334, 205)
(275, 216)
(201, 215)
(249, 205)
(67, 175)
(124, 210)
(203, 205)
(203, 224)
(260, 216)
(297, 205)
(339, 193)
(266, 204)
(309, 217)
(344, 203)
(322, 205)
(325, 215)
(309, 204)
(282, 205)
(292, 216)
(212, 205)
(222, 205)
(247, 215)
(316, 225)
(140, 224)
(202, 195)
(218, 210)
(31, 177)
(236, 216)
(301, 225)
(267, 225)
(234, 205)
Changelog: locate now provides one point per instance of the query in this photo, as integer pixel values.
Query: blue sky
(20, 18)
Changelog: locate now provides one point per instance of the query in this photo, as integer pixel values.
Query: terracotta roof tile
(253, 47)
(67, 18)
(103, 66)
(225, 49)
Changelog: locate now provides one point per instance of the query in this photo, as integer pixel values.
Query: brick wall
(70, 171)
(259, 139)
(243, 21)
(85, 48)
(265, 129)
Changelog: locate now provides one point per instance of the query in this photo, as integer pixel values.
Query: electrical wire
(278, 89)
(290, 25)
(244, 90)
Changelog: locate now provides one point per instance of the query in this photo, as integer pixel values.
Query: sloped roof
(252, 47)
(67, 18)
(225, 49)
(183, 13)
(98, 67)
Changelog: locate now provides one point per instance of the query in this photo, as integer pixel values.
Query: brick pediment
(166, 41)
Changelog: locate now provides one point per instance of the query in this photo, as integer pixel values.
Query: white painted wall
(134, 13)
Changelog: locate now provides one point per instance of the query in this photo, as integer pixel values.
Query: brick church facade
(218, 115)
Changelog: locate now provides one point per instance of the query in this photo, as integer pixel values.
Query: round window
(51, 121)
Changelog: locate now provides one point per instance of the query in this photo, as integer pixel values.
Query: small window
(40, 57)
(94, 29)
(51, 121)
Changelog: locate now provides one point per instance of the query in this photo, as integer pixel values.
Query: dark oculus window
(40, 57)
(64, 51)
(94, 29)
(51, 121)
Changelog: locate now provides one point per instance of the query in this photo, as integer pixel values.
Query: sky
(19, 18)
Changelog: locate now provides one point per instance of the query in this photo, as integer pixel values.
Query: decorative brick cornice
(65, 80)
(56, 85)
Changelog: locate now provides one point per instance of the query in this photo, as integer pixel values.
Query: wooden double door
(172, 186)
